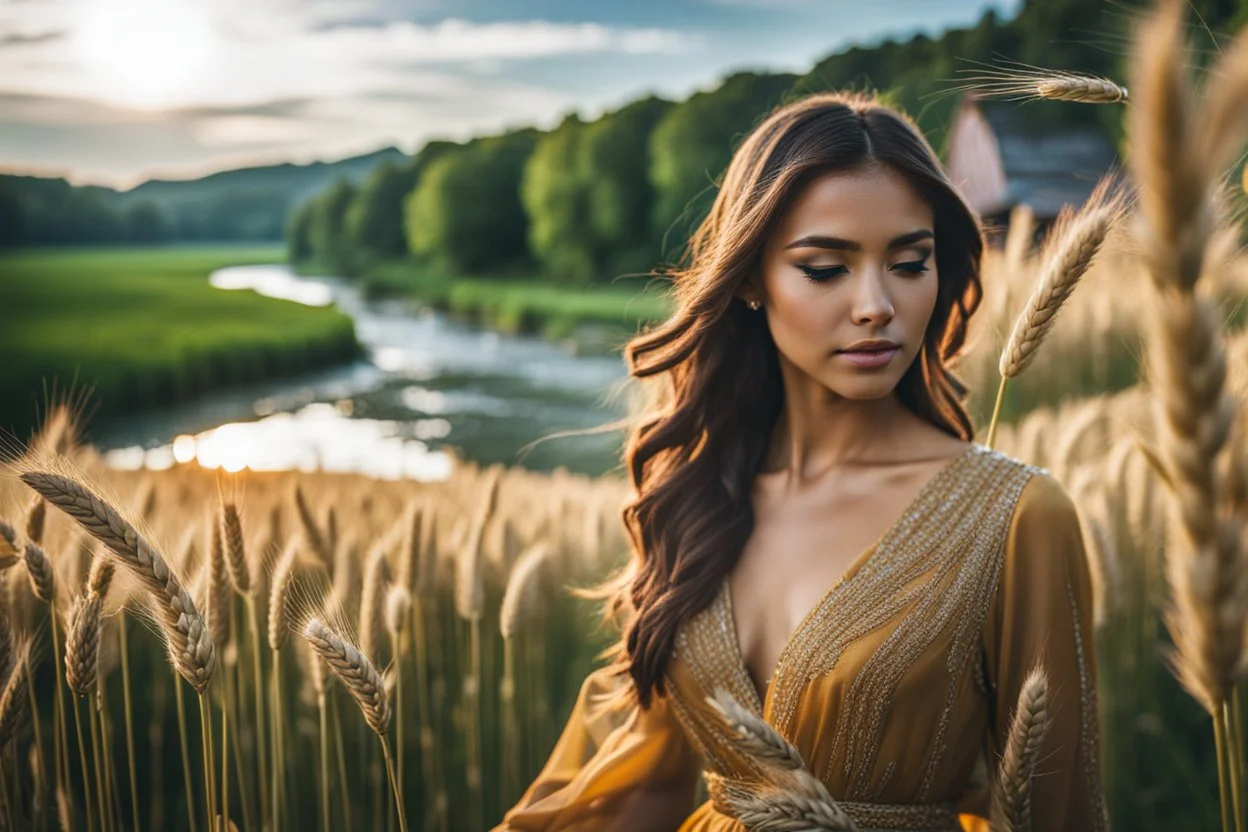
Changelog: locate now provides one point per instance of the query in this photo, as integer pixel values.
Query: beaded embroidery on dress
(931, 574)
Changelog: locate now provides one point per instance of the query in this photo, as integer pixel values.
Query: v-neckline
(854, 568)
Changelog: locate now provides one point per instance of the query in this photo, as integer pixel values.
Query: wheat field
(366, 654)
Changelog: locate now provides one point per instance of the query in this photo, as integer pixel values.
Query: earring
(753, 304)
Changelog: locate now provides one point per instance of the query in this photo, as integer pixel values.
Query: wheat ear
(82, 643)
(1030, 82)
(373, 602)
(36, 517)
(1208, 574)
(311, 530)
(8, 546)
(522, 598)
(13, 701)
(42, 576)
(218, 586)
(1072, 244)
(1068, 251)
(190, 645)
(235, 550)
(279, 593)
(354, 670)
(792, 788)
(1188, 372)
(1031, 722)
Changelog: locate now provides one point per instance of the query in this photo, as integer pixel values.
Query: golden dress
(898, 687)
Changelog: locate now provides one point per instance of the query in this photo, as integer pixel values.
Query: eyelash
(815, 275)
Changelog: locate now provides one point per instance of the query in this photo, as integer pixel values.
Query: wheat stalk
(13, 700)
(6, 641)
(1178, 183)
(373, 602)
(764, 807)
(279, 593)
(364, 683)
(354, 670)
(190, 644)
(8, 546)
(1030, 82)
(795, 792)
(312, 531)
(1028, 728)
(1188, 361)
(100, 578)
(218, 587)
(82, 643)
(235, 550)
(411, 568)
(522, 598)
(36, 517)
(1070, 247)
(1066, 256)
(42, 576)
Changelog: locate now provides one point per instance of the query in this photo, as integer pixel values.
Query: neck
(819, 431)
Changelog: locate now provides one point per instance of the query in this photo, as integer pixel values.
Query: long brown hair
(696, 448)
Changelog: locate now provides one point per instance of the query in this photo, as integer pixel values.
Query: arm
(611, 770)
(1042, 612)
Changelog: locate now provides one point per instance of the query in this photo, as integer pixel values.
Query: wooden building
(999, 162)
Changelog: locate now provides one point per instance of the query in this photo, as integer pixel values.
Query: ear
(748, 291)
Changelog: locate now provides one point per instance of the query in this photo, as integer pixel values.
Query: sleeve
(1042, 612)
(611, 769)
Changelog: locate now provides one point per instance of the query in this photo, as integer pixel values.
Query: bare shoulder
(931, 443)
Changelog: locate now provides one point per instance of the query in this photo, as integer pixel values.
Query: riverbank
(142, 327)
(595, 317)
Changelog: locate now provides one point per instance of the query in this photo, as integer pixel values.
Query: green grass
(143, 327)
(523, 305)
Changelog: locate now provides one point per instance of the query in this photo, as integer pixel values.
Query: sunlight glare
(184, 448)
(144, 52)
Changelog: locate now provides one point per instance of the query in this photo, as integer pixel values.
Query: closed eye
(819, 275)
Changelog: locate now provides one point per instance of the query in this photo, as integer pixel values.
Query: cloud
(458, 41)
(31, 39)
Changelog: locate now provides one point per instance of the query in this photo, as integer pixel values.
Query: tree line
(588, 200)
(591, 200)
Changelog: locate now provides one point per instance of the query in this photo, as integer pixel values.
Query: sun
(145, 53)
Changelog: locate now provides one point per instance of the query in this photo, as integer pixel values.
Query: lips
(871, 346)
(870, 358)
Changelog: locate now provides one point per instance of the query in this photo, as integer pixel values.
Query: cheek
(920, 303)
(805, 310)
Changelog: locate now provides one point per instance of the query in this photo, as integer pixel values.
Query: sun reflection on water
(310, 439)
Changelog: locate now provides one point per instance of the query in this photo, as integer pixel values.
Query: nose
(872, 304)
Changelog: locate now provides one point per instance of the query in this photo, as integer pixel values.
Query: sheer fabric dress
(897, 688)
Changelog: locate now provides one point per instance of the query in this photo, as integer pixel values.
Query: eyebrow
(821, 241)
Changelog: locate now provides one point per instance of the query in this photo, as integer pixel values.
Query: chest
(800, 547)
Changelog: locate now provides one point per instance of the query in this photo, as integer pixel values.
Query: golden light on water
(228, 447)
(318, 437)
(144, 52)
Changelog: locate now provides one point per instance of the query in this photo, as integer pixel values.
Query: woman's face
(851, 261)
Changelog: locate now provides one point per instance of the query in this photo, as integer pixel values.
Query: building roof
(1016, 162)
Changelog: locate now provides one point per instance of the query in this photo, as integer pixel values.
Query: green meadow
(519, 304)
(142, 326)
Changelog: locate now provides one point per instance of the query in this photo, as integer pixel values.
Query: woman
(814, 530)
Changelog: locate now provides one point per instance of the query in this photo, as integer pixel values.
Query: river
(428, 389)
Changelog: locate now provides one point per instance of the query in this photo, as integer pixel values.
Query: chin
(864, 389)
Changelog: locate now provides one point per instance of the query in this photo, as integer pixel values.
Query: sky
(118, 91)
